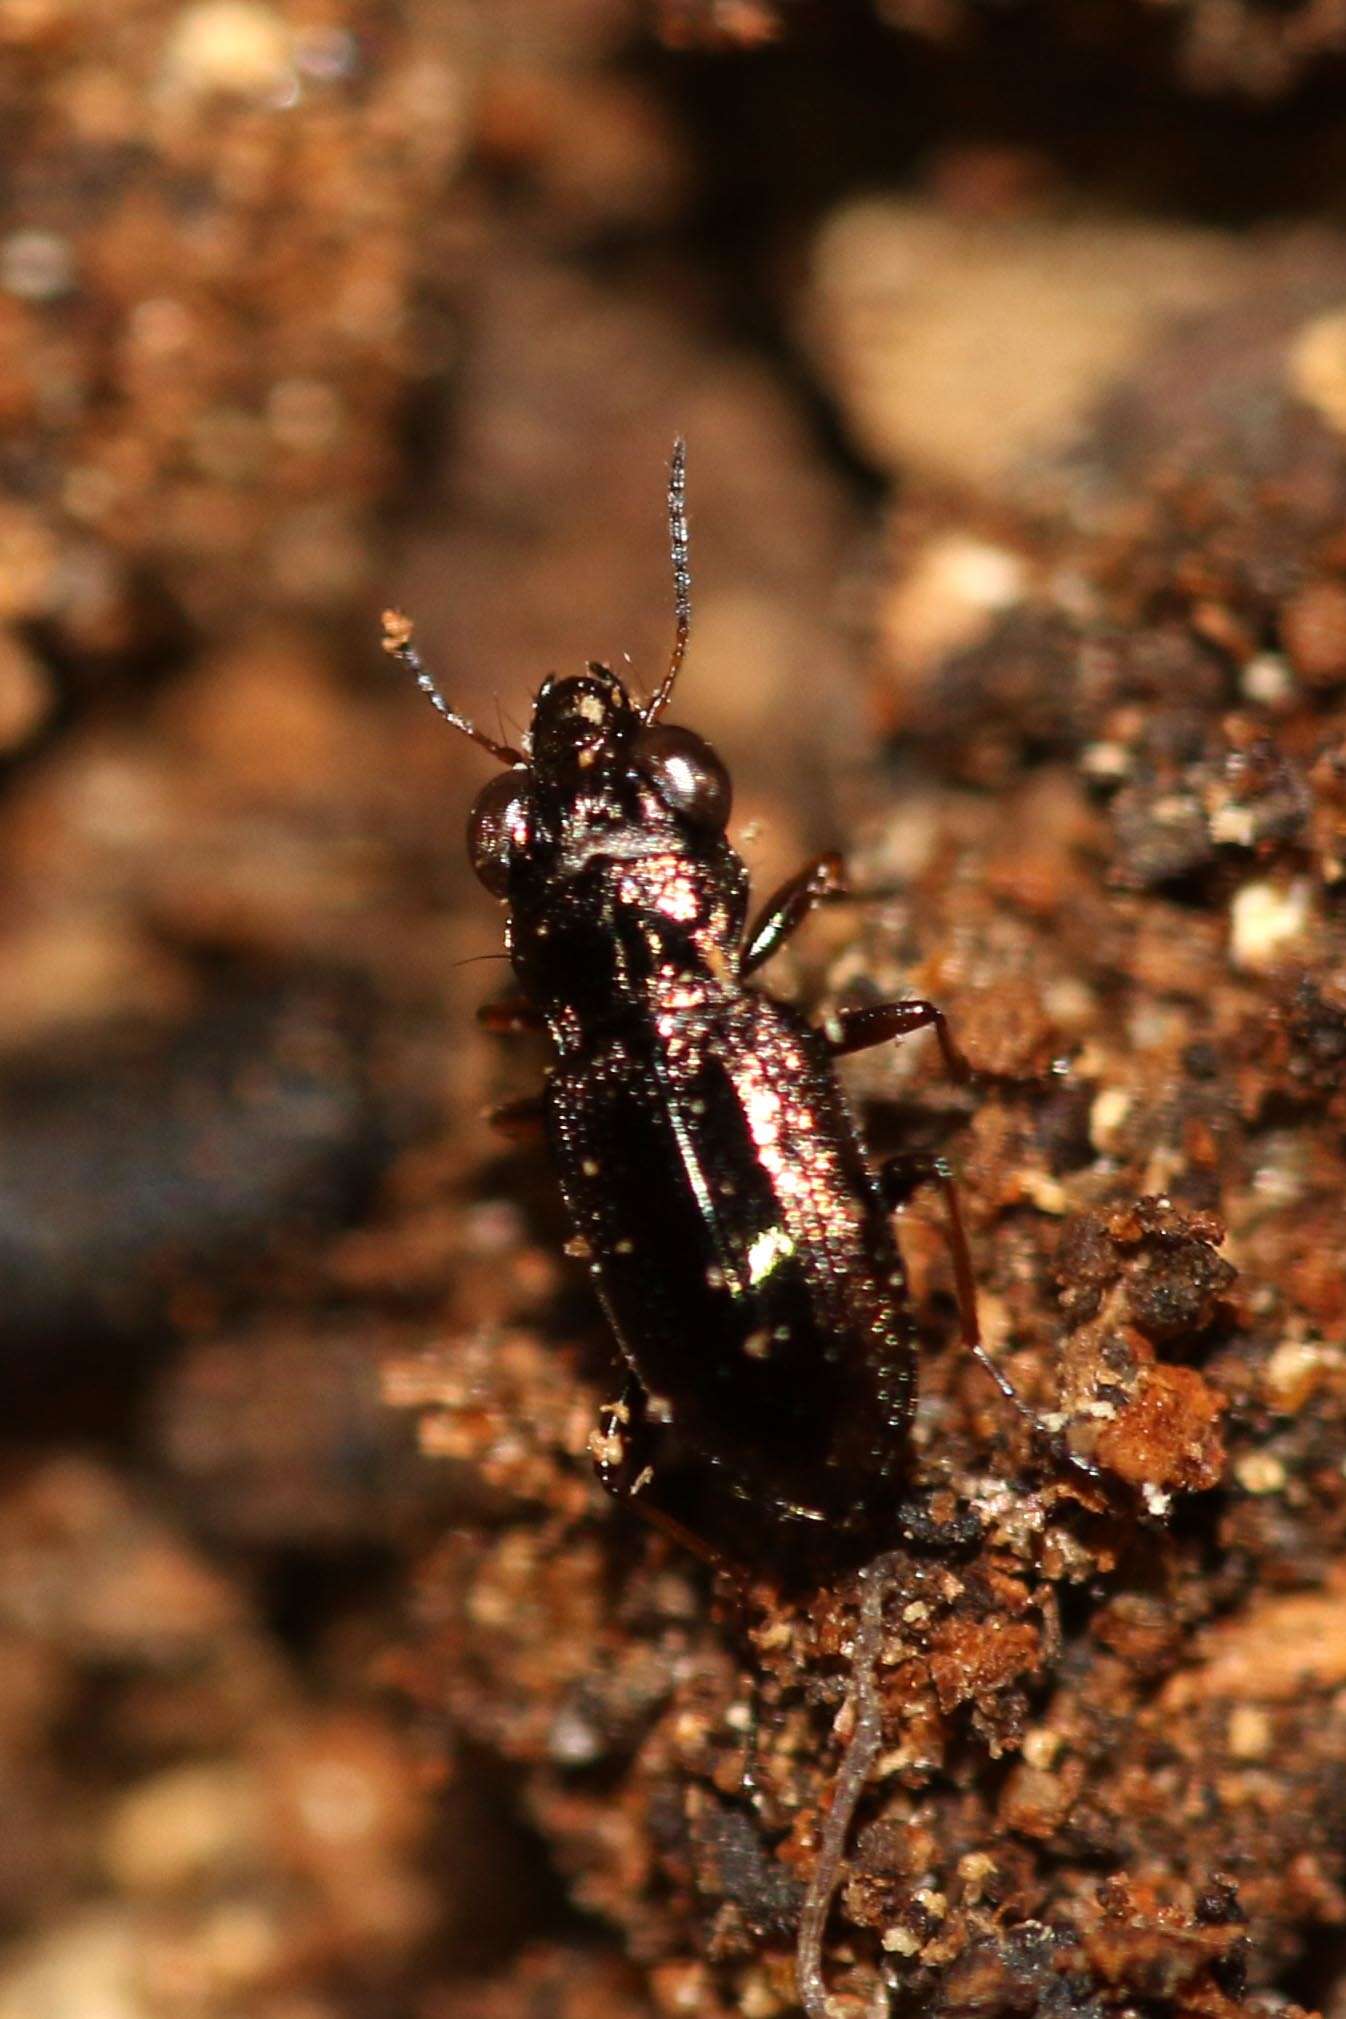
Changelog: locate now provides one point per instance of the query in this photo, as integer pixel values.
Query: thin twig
(856, 1766)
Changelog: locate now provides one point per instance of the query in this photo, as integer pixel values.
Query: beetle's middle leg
(898, 1178)
(855, 1030)
(858, 1029)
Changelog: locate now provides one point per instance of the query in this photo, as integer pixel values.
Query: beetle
(739, 1238)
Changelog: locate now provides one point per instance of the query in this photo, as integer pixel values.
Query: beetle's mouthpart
(579, 722)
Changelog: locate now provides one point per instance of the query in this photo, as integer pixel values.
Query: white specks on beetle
(607, 1448)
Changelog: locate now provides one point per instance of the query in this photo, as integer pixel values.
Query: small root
(856, 1766)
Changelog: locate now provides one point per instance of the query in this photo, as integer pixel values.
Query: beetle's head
(597, 775)
(599, 780)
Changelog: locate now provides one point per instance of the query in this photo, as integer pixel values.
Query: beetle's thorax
(604, 940)
(606, 838)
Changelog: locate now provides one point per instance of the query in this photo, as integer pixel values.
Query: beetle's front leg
(898, 1178)
(818, 882)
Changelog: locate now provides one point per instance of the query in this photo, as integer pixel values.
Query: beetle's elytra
(740, 1241)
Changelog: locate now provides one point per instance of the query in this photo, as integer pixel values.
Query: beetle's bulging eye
(686, 774)
(500, 826)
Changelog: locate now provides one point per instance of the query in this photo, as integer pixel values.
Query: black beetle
(741, 1243)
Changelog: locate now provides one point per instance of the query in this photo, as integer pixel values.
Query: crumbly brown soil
(332, 1687)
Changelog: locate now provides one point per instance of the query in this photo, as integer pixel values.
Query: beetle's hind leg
(898, 1178)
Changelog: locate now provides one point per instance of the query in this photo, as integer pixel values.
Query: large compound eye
(686, 774)
(499, 825)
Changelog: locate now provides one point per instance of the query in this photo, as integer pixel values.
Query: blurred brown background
(308, 307)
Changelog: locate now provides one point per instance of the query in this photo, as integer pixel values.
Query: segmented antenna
(397, 644)
(682, 578)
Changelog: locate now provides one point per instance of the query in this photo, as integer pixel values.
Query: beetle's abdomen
(738, 1244)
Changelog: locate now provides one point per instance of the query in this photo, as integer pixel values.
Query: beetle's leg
(898, 1178)
(623, 1450)
(521, 1121)
(508, 1014)
(858, 1029)
(787, 908)
(861, 1028)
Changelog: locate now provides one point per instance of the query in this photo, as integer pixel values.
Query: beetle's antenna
(397, 644)
(682, 579)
